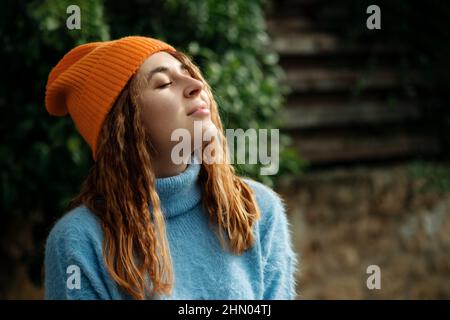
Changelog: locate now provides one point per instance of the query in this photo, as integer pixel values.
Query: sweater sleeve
(279, 258)
(72, 270)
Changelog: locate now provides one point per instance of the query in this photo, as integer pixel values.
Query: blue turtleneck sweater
(75, 269)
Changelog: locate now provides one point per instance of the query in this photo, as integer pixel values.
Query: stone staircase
(339, 110)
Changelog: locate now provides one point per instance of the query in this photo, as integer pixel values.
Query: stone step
(319, 113)
(346, 145)
(277, 26)
(322, 43)
(358, 62)
(279, 9)
(320, 80)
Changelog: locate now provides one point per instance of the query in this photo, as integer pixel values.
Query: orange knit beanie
(87, 80)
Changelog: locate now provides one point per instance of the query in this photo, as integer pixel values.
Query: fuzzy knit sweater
(75, 268)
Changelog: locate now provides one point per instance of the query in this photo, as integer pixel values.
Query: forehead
(159, 59)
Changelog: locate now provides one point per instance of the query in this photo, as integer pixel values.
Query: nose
(193, 88)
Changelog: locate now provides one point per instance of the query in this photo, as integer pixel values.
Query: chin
(209, 129)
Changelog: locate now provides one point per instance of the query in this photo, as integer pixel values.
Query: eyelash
(165, 85)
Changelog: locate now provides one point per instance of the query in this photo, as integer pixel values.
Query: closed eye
(164, 85)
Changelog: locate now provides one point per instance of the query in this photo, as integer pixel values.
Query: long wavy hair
(120, 190)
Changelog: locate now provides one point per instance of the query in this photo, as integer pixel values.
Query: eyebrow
(164, 70)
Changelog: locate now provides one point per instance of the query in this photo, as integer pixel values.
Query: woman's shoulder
(74, 251)
(275, 229)
(270, 203)
(78, 225)
(266, 197)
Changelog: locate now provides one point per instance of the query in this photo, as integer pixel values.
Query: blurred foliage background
(43, 159)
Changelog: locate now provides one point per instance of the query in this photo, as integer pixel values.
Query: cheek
(160, 118)
(152, 106)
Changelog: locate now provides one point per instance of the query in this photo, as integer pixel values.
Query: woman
(143, 225)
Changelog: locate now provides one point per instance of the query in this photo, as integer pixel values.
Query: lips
(201, 105)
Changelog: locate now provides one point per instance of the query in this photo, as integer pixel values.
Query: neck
(163, 166)
(180, 193)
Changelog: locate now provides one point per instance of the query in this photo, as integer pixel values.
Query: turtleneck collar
(180, 193)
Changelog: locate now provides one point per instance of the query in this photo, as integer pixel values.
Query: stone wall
(344, 220)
